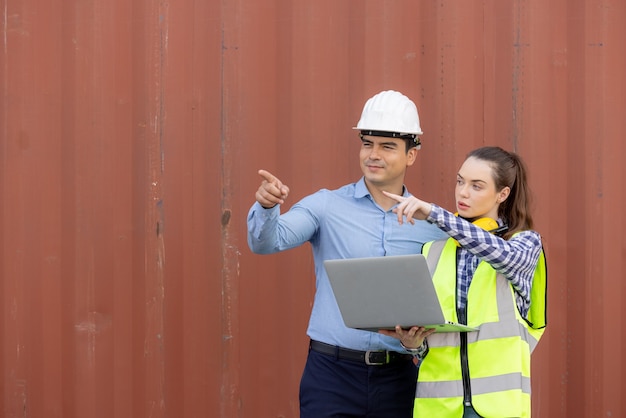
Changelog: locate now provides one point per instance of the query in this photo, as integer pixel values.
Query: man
(351, 372)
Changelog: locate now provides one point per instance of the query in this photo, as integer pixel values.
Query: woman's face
(475, 192)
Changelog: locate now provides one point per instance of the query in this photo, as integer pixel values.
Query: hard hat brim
(398, 134)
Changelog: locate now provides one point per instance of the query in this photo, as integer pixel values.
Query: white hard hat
(390, 113)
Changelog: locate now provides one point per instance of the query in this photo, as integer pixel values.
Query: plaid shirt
(516, 258)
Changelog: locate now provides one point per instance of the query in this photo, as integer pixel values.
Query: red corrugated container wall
(131, 134)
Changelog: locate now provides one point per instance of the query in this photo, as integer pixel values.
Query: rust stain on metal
(226, 217)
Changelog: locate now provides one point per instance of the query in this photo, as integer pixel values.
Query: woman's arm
(516, 258)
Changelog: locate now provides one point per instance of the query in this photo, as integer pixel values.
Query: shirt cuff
(435, 213)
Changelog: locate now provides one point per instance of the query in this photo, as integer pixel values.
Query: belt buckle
(376, 363)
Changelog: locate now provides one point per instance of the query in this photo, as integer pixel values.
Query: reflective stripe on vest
(498, 354)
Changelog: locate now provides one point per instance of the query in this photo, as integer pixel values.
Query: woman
(489, 274)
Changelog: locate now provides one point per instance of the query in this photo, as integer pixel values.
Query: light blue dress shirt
(342, 223)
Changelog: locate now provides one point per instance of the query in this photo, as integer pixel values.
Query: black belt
(371, 358)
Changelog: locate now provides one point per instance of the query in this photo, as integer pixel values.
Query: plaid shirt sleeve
(516, 258)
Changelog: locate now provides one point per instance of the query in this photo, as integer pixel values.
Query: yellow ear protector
(488, 224)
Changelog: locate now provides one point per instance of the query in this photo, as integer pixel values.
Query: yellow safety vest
(497, 356)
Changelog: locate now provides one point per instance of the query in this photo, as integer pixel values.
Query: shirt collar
(361, 189)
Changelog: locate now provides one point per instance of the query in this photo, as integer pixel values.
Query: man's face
(384, 160)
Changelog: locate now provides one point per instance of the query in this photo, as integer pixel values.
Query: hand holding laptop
(409, 338)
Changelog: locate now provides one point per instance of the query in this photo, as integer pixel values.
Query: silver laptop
(381, 292)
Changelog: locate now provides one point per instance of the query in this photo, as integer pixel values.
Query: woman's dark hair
(509, 170)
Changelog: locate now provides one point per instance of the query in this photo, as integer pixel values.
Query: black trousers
(332, 387)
